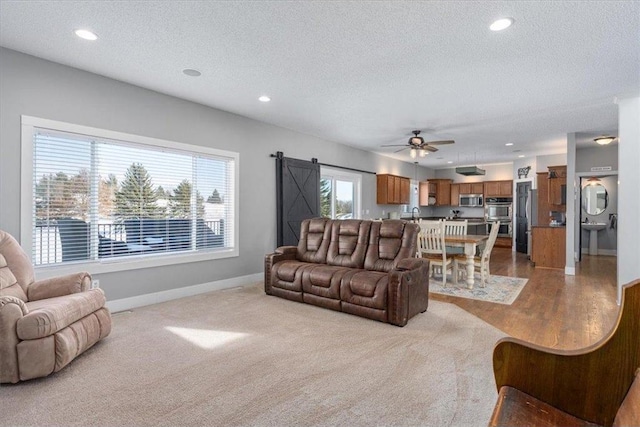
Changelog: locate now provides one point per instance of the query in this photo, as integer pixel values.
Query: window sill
(111, 265)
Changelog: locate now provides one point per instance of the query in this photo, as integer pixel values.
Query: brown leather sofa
(362, 267)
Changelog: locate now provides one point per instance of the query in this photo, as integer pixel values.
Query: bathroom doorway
(598, 215)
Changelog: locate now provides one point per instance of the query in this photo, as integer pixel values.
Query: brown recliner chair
(44, 324)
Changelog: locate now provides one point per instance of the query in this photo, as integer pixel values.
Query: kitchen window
(119, 201)
(339, 194)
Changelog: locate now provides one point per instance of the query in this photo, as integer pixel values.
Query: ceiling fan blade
(397, 151)
(394, 145)
(429, 148)
(444, 142)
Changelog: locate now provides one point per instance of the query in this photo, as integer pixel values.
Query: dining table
(469, 242)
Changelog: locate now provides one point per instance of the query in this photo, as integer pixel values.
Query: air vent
(470, 170)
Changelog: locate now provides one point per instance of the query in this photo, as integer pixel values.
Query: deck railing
(47, 246)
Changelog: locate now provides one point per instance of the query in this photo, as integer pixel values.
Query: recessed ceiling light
(264, 98)
(86, 34)
(449, 162)
(191, 72)
(521, 155)
(509, 144)
(501, 24)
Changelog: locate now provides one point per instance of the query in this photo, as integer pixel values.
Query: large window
(103, 197)
(339, 194)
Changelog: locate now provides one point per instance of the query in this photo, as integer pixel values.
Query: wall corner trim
(186, 291)
(570, 271)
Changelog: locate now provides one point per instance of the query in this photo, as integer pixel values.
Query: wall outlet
(95, 284)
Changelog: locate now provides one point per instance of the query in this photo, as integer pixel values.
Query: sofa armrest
(408, 290)
(282, 253)
(59, 286)
(12, 309)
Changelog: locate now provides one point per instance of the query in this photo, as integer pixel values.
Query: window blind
(96, 198)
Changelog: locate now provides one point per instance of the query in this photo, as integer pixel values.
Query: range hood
(470, 170)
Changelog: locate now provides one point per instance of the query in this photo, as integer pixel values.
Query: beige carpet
(239, 357)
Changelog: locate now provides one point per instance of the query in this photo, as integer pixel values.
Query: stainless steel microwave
(471, 200)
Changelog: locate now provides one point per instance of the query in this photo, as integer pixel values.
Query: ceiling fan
(418, 145)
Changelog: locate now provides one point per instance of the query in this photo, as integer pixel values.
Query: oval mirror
(594, 199)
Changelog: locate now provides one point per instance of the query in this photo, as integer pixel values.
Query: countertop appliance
(470, 200)
(532, 216)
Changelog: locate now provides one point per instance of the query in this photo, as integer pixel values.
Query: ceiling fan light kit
(470, 170)
(418, 146)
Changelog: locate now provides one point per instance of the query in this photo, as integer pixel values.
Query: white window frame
(339, 174)
(113, 264)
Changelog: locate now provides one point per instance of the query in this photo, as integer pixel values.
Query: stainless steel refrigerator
(532, 216)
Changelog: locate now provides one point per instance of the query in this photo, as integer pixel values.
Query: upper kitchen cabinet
(498, 188)
(471, 188)
(455, 194)
(557, 185)
(435, 192)
(392, 190)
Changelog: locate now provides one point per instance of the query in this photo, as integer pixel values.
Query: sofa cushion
(8, 283)
(314, 240)
(324, 280)
(389, 242)
(365, 288)
(49, 316)
(349, 240)
(288, 275)
(17, 261)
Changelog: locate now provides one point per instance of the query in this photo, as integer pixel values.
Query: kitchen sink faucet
(413, 211)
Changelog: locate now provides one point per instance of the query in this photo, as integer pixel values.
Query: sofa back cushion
(389, 242)
(8, 283)
(349, 240)
(314, 240)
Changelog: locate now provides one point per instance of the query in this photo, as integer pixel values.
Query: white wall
(628, 190)
(39, 88)
(572, 196)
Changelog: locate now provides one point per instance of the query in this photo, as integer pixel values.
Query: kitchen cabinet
(455, 194)
(392, 190)
(557, 186)
(543, 198)
(471, 187)
(439, 190)
(498, 188)
(548, 249)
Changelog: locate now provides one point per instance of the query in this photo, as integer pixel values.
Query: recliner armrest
(408, 290)
(12, 309)
(59, 286)
(282, 253)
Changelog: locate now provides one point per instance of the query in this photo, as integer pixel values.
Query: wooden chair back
(431, 238)
(590, 383)
(457, 228)
(491, 241)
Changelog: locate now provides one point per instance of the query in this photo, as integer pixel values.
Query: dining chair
(427, 224)
(431, 246)
(457, 228)
(481, 262)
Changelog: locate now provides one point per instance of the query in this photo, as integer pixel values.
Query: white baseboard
(186, 291)
(570, 271)
(605, 252)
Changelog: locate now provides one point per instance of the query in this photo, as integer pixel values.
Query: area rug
(241, 358)
(498, 289)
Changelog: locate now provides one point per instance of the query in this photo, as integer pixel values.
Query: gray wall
(34, 87)
(586, 158)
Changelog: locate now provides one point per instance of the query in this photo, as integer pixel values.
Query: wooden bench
(597, 385)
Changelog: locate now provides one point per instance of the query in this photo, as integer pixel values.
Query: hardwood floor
(553, 310)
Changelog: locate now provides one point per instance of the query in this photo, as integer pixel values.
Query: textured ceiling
(364, 73)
